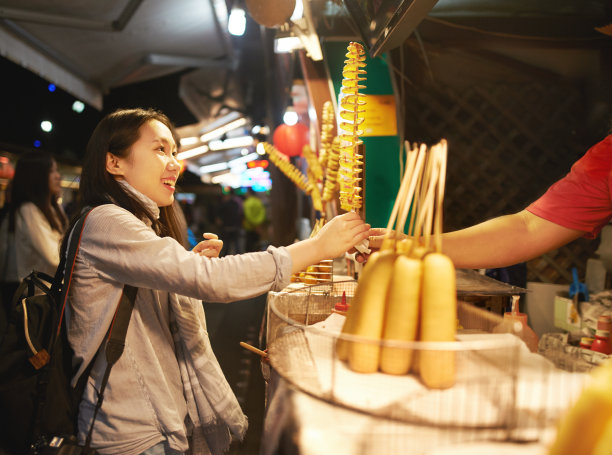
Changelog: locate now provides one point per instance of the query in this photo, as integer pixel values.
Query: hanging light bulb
(46, 126)
(236, 23)
(290, 117)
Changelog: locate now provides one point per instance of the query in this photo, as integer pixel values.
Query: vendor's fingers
(210, 236)
(375, 241)
(375, 232)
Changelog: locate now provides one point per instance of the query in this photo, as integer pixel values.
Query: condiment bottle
(342, 307)
(602, 342)
(604, 322)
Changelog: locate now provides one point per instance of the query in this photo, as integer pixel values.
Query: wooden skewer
(442, 153)
(253, 349)
(409, 196)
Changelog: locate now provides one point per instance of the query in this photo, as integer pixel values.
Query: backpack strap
(115, 344)
(66, 266)
(118, 329)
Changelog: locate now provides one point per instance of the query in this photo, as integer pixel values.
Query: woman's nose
(174, 163)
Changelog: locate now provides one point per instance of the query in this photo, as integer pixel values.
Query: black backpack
(39, 408)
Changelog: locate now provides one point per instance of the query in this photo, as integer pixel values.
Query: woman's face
(55, 180)
(151, 166)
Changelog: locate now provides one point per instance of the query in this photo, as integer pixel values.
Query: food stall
(468, 378)
(396, 362)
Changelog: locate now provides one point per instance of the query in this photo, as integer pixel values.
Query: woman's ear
(113, 165)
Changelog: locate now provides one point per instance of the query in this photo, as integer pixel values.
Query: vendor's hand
(211, 247)
(375, 238)
(342, 233)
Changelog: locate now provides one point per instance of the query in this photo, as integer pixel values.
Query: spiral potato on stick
(285, 166)
(327, 132)
(331, 171)
(352, 116)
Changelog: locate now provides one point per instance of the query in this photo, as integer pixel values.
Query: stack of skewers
(407, 290)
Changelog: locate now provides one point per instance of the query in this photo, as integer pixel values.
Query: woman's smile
(169, 183)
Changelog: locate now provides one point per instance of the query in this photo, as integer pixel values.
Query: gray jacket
(144, 401)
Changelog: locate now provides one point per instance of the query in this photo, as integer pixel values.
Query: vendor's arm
(575, 206)
(499, 242)
(505, 240)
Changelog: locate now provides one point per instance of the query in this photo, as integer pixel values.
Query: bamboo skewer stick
(253, 349)
(416, 202)
(442, 156)
(408, 198)
(410, 163)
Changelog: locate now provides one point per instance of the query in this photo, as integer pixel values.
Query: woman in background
(33, 222)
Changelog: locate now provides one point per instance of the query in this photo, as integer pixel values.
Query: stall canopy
(88, 47)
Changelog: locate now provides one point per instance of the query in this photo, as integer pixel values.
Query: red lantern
(6, 168)
(290, 139)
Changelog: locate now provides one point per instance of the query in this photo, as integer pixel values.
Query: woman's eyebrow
(163, 141)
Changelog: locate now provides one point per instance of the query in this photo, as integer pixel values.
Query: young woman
(166, 394)
(33, 222)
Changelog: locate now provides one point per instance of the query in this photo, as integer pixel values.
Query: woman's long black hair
(116, 133)
(31, 184)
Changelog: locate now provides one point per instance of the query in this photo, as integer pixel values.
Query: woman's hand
(341, 234)
(211, 247)
(334, 239)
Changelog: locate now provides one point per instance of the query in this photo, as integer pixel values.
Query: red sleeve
(581, 200)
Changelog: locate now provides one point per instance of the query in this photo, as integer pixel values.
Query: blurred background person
(254, 218)
(33, 222)
(230, 220)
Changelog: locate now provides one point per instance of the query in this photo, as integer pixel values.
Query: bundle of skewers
(407, 291)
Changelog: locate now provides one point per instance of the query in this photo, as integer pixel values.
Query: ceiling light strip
(223, 129)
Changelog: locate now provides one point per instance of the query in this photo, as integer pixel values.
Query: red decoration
(258, 163)
(290, 139)
(6, 168)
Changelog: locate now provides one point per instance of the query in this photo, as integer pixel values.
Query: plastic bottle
(604, 322)
(602, 342)
(342, 307)
(516, 323)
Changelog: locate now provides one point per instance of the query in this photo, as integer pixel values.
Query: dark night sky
(26, 101)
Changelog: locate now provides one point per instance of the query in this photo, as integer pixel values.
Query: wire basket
(501, 392)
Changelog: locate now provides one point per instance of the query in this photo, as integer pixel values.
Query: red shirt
(581, 200)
